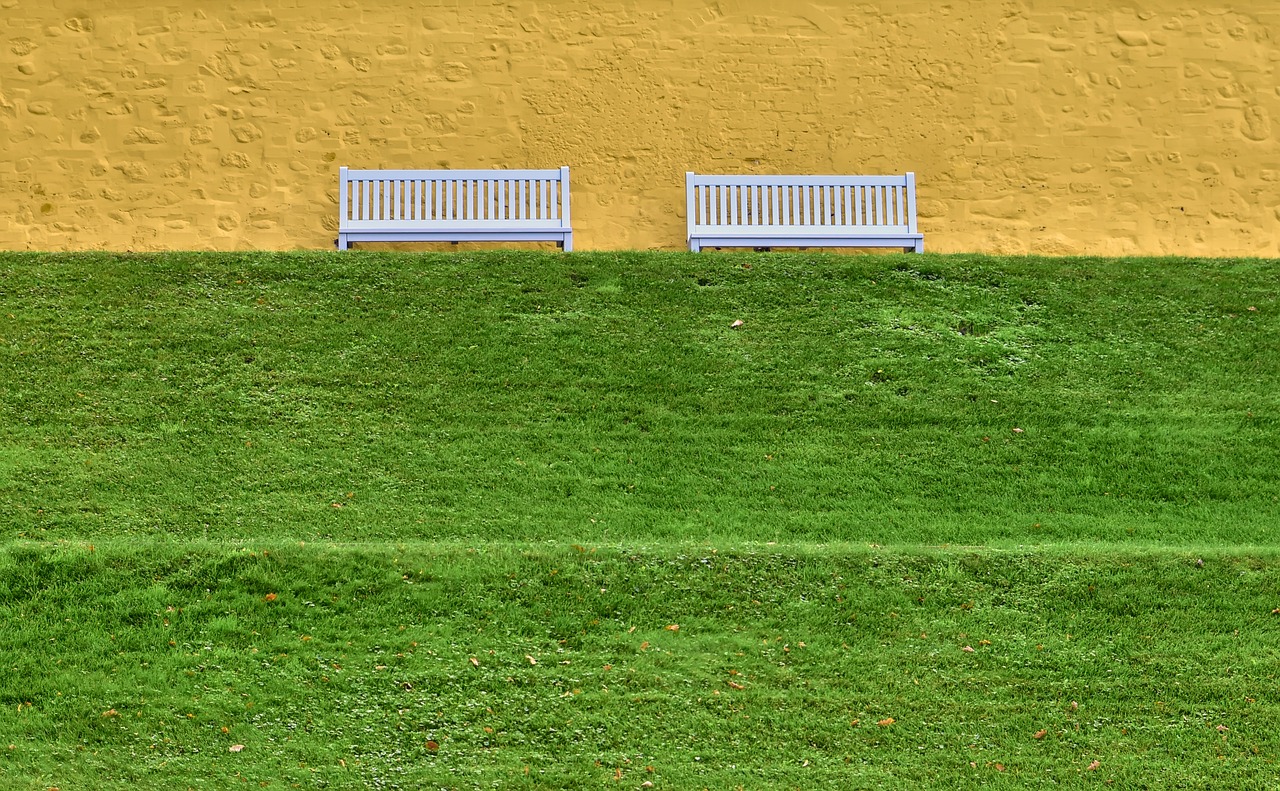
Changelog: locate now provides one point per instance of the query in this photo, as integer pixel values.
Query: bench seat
(454, 206)
(802, 211)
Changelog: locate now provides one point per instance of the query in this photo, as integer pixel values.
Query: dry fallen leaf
(433, 745)
(532, 661)
(1074, 705)
(735, 685)
(886, 722)
(736, 324)
(999, 767)
(1223, 729)
(270, 597)
(674, 627)
(968, 649)
(475, 662)
(1017, 430)
(1093, 766)
(1040, 734)
(111, 713)
(984, 642)
(235, 748)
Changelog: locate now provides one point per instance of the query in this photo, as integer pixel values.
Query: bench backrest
(464, 198)
(878, 204)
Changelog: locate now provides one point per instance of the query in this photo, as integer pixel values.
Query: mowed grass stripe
(523, 396)
(569, 666)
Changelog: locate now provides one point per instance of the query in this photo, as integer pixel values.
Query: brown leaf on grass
(734, 685)
(433, 745)
(736, 324)
(999, 767)
(644, 646)
(1040, 734)
(235, 748)
(270, 597)
(111, 713)
(1091, 767)
(475, 662)
(673, 627)
(532, 661)
(886, 722)
(984, 642)
(968, 649)
(1223, 729)
(1276, 611)
(1017, 430)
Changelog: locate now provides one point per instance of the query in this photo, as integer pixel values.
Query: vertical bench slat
(911, 203)
(902, 209)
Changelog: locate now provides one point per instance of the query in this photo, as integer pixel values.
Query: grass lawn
(402, 521)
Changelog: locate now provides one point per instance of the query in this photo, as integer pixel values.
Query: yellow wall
(1056, 127)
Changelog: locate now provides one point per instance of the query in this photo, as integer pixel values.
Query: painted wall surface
(1075, 126)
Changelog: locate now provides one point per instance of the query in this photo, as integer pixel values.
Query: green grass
(605, 397)
(292, 496)
(124, 663)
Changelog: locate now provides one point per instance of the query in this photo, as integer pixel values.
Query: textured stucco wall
(1071, 126)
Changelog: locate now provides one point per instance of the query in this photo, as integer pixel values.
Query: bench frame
(802, 211)
(454, 206)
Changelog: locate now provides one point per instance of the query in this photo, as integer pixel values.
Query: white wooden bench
(454, 206)
(802, 211)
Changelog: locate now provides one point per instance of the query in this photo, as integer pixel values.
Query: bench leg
(919, 246)
(567, 244)
(342, 241)
(694, 246)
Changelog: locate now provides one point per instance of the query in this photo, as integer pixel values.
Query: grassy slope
(604, 397)
(476, 417)
(128, 663)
